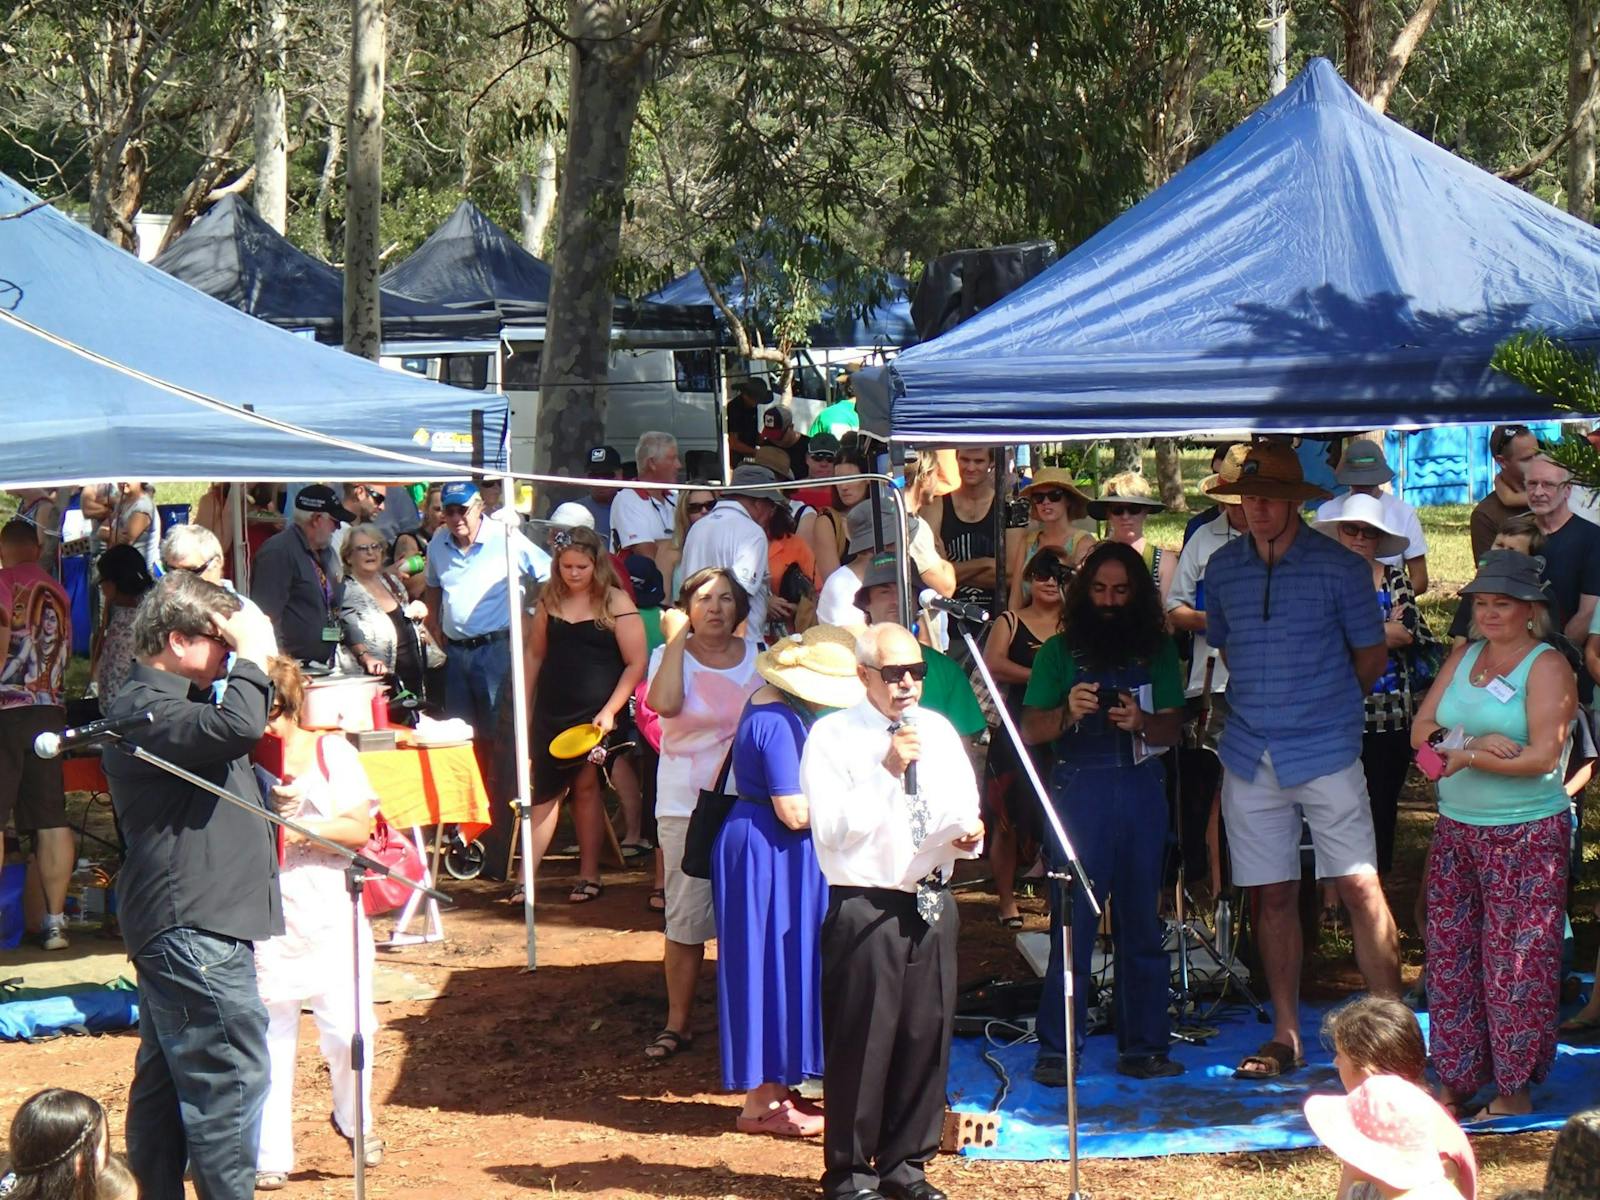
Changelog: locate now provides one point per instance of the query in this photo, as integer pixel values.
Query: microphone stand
(357, 865)
(1061, 879)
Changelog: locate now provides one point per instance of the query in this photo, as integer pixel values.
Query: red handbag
(379, 893)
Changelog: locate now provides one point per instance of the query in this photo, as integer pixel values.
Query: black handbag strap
(721, 785)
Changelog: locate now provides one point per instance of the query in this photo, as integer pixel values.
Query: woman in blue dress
(767, 892)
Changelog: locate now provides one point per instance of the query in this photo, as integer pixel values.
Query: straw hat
(1271, 471)
(1231, 462)
(1128, 488)
(1353, 507)
(1049, 478)
(1384, 1128)
(818, 666)
(775, 459)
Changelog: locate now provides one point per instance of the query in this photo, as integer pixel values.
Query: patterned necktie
(930, 893)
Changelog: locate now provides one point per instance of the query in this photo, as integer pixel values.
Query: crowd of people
(806, 771)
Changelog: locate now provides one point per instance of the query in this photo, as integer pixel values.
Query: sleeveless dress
(582, 664)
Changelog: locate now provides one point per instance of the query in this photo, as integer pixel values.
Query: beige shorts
(1263, 820)
(690, 920)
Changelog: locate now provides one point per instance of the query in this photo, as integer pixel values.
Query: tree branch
(1400, 51)
(1543, 155)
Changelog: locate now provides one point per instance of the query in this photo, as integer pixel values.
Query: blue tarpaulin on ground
(114, 370)
(1205, 1110)
(1319, 268)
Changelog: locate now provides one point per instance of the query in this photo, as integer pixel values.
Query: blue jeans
(200, 1078)
(473, 676)
(1116, 815)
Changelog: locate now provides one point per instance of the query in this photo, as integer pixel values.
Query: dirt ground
(510, 1082)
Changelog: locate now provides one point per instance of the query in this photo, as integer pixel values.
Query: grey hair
(183, 603)
(356, 532)
(304, 516)
(184, 543)
(652, 445)
(1545, 458)
(869, 642)
(1544, 625)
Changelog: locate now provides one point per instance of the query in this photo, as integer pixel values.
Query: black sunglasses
(1123, 510)
(1053, 496)
(699, 506)
(893, 673)
(820, 455)
(1351, 529)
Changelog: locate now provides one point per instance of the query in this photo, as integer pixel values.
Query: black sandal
(583, 891)
(657, 902)
(668, 1043)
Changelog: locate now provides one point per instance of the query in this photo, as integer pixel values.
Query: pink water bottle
(380, 710)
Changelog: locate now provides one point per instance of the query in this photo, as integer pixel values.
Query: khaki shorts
(30, 786)
(1263, 821)
(690, 919)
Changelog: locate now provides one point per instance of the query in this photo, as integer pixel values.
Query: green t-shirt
(835, 419)
(948, 692)
(652, 628)
(1055, 670)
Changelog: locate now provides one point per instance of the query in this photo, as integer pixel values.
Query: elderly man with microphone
(893, 804)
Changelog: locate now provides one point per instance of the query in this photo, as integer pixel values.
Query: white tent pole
(241, 554)
(519, 716)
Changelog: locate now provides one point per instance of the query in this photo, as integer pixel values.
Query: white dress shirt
(836, 603)
(860, 825)
(728, 537)
(639, 517)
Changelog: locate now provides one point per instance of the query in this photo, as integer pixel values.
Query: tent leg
(519, 709)
(241, 563)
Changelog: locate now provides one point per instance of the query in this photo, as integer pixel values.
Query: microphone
(961, 610)
(51, 745)
(909, 780)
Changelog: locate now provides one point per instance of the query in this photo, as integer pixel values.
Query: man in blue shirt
(1296, 618)
(469, 609)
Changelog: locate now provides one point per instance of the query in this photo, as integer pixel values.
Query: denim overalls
(1115, 813)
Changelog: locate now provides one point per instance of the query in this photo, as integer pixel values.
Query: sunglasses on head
(1053, 496)
(893, 673)
(1351, 530)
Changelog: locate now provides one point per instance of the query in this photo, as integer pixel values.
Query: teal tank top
(1477, 797)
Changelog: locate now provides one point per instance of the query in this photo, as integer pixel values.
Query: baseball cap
(572, 515)
(823, 443)
(648, 588)
(602, 461)
(776, 421)
(462, 492)
(319, 497)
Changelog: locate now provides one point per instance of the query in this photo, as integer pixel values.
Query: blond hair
(601, 584)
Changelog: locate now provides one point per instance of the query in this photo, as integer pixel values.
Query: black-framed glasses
(1351, 529)
(893, 673)
(1053, 496)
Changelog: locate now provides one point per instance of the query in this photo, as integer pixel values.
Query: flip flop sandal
(1011, 922)
(635, 849)
(667, 1043)
(584, 891)
(657, 901)
(271, 1181)
(1273, 1059)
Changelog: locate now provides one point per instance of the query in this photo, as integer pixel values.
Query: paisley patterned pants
(1496, 898)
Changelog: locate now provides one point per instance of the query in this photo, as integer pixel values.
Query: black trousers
(888, 1004)
(1385, 759)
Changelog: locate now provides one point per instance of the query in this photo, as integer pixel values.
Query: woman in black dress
(1011, 809)
(585, 654)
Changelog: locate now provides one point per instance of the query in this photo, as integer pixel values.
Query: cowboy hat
(817, 666)
(1271, 471)
(1128, 488)
(1056, 477)
(1355, 508)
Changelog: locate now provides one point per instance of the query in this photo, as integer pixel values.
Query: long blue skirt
(770, 900)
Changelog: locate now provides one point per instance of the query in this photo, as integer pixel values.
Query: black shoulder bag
(710, 811)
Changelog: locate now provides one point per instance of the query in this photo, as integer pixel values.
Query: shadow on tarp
(1205, 1111)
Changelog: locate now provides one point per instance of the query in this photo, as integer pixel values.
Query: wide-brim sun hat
(860, 534)
(817, 666)
(1271, 471)
(1052, 478)
(1353, 507)
(1232, 460)
(1363, 465)
(1209, 486)
(754, 482)
(1383, 1128)
(1510, 573)
(884, 568)
(1127, 489)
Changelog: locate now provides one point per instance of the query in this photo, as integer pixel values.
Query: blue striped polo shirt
(1292, 687)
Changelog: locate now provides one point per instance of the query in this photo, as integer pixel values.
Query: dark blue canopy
(469, 260)
(232, 255)
(1320, 268)
(889, 324)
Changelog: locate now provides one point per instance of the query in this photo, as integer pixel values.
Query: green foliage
(1570, 380)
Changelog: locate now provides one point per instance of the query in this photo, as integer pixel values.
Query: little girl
(1385, 1131)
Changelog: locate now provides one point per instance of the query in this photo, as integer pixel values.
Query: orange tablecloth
(429, 787)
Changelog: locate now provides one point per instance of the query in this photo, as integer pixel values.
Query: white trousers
(331, 1011)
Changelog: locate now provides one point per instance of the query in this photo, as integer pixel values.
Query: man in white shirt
(734, 535)
(893, 804)
(1364, 470)
(641, 520)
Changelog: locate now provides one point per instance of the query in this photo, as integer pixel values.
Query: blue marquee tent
(115, 370)
(471, 261)
(889, 324)
(1320, 268)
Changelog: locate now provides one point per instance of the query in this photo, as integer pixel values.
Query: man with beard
(1293, 614)
(1105, 691)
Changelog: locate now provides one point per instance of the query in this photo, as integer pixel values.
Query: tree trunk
(271, 127)
(1127, 454)
(1581, 51)
(537, 199)
(1400, 51)
(229, 128)
(323, 225)
(363, 331)
(1359, 18)
(1169, 474)
(609, 67)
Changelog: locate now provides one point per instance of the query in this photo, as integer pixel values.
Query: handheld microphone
(51, 745)
(961, 610)
(909, 780)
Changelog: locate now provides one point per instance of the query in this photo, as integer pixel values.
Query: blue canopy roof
(889, 324)
(114, 370)
(1320, 268)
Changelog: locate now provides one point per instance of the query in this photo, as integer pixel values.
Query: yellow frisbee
(576, 742)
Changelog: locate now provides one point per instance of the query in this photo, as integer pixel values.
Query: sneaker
(54, 936)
